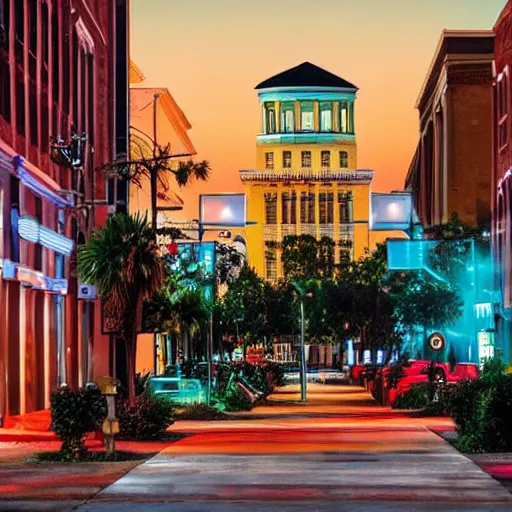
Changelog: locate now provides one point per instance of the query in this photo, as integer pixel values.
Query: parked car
(424, 371)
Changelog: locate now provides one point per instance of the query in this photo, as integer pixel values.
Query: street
(337, 453)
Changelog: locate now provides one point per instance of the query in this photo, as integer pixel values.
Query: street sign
(436, 341)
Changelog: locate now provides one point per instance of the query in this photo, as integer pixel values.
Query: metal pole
(154, 172)
(303, 370)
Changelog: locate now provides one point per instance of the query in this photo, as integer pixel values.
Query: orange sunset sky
(212, 53)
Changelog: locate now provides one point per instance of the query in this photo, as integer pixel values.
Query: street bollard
(110, 427)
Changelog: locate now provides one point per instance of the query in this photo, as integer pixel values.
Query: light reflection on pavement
(339, 452)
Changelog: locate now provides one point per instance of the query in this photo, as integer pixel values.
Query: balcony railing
(270, 233)
(305, 175)
(308, 229)
(327, 230)
(288, 229)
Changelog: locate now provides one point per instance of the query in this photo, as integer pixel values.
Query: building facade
(306, 180)
(451, 166)
(63, 115)
(502, 178)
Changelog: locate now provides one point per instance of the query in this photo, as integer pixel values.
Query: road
(340, 452)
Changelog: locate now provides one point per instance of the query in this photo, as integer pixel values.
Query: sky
(211, 54)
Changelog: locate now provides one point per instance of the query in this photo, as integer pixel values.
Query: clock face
(436, 341)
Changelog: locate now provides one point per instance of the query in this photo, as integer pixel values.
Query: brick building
(502, 178)
(451, 167)
(63, 65)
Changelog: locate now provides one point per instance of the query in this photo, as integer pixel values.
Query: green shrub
(147, 420)
(493, 369)
(74, 414)
(235, 400)
(417, 397)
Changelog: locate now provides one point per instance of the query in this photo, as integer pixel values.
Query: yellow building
(306, 180)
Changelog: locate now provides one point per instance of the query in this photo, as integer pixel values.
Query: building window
(289, 208)
(288, 117)
(346, 117)
(326, 117)
(270, 208)
(307, 208)
(269, 160)
(343, 160)
(307, 116)
(270, 266)
(326, 207)
(306, 159)
(503, 102)
(270, 118)
(56, 54)
(287, 159)
(326, 159)
(345, 205)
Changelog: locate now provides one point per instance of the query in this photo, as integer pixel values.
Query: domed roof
(305, 75)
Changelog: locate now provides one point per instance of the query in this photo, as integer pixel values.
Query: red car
(418, 372)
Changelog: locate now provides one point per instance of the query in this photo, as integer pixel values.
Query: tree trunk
(131, 353)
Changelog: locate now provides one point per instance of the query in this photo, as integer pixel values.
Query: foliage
(200, 412)
(123, 261)
(147, 419)
(74, 414)
(244, 306)
(492, 370)
(229, 263)
(299, 257)
(141, 382)
(176, 309)
(235, 399)
(417, 397)
(66, 458)
(144, 161)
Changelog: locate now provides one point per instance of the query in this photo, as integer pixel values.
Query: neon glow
(30, 230)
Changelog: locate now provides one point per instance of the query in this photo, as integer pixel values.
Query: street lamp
(303, 366)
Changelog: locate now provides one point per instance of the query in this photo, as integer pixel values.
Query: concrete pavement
(339, 452)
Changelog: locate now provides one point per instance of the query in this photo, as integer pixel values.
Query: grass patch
(65, 458)
(200, 412)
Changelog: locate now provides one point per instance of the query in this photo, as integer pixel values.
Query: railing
(308, 229)
(307, 175)
(288, 229)
(270, 233)
(327, 230)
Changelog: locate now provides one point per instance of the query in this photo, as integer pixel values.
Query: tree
(177, 309)
(123, 261)
(299, 257)
(245, 306)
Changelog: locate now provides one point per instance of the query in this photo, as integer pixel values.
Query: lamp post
(303, 366)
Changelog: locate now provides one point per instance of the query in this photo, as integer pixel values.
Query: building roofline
(503, 13)
(139, 75)
(446, 34)
(174, 113)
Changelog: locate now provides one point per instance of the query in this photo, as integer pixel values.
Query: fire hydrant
(110, 427)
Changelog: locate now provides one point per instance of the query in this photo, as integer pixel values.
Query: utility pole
(154, 171)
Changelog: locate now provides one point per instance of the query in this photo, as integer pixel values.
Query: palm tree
(178, 310)
(123, 261)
